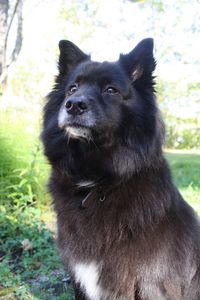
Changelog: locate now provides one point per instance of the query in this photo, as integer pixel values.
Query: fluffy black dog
(124, 231)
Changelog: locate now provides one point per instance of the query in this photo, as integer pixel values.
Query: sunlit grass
(21, 153)
(186, 173)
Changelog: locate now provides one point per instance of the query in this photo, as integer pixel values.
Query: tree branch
(10, 24)
(18, 41)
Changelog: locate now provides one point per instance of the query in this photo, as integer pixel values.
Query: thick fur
(124, 231)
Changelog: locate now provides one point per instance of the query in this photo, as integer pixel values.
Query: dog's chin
(78, 132)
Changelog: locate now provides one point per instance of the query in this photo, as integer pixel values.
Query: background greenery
(30, 266)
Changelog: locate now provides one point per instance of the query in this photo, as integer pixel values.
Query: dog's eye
(73, 88)
(111, 90)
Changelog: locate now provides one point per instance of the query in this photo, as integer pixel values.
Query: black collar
(98, 191)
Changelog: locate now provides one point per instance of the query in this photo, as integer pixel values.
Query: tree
(4, 5)
(6, 23)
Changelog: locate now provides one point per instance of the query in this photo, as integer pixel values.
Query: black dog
(124, 231)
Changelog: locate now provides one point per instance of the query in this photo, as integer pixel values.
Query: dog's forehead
(105, 71)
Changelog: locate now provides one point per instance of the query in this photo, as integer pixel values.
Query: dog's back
(124, 232)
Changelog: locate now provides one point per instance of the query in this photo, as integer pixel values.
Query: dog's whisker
(92, 140)
(68, 139)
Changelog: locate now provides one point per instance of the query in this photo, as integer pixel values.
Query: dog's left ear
(70, 56)
(139, 63)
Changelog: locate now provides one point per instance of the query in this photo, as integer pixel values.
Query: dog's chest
(87, 275)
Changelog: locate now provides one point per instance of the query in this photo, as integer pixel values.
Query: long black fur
(117, 208)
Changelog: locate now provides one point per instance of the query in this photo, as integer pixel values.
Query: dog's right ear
(140, 62)
(70, 56)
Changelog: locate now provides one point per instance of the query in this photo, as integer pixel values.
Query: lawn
(186, 173)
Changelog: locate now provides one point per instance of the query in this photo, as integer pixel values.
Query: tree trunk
(19, 38)
(5, 61)
(4, 5)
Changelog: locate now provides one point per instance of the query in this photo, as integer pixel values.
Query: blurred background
(29, 34)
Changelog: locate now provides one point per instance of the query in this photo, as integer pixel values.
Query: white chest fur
(87, 275)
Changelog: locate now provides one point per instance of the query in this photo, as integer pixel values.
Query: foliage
(182, 127)
(29, 82)
(23, 169)
(29, 261)
(21, 194)
(182, 136)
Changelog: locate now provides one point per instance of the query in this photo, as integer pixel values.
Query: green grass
(34, 273)
(30, 266)
(186, 173)
(23, 169)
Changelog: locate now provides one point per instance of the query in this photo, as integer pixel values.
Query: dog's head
(109, 104)
(100, 98)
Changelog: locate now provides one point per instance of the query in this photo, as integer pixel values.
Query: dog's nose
(76, 106)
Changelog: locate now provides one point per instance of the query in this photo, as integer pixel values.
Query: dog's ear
(139, 63)
(70, 56)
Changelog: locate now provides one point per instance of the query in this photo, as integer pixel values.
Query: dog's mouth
(77, 131)
(76, 126)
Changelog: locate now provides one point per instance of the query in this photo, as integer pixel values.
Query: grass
(186, 173)
(30, 263)
(21, 157)
(30, 266)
